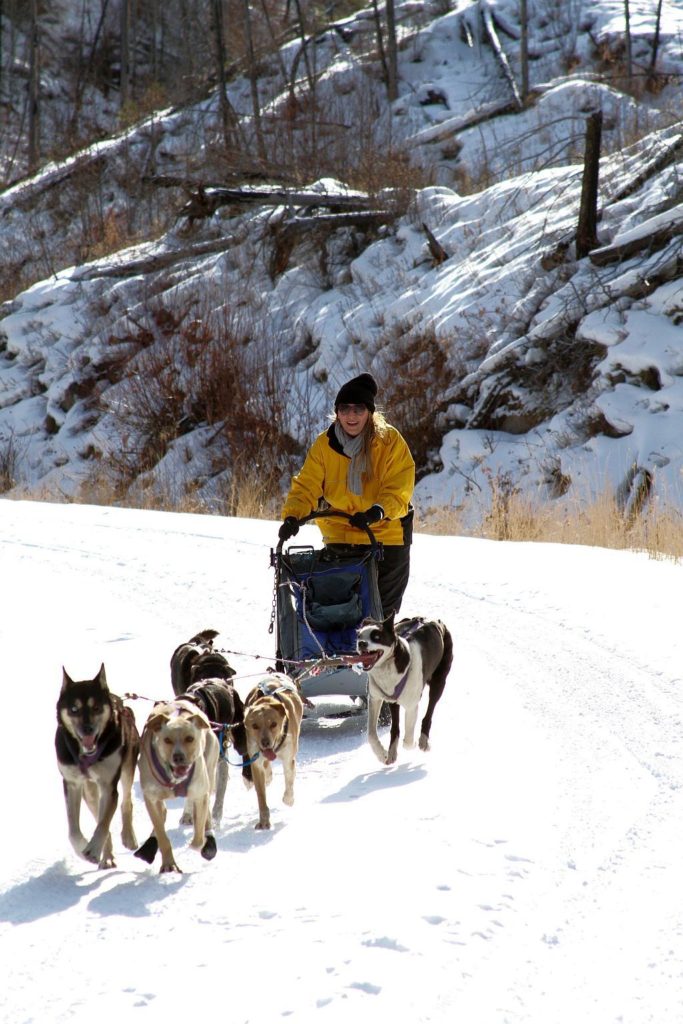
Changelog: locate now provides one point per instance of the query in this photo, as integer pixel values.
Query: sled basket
(322, 597)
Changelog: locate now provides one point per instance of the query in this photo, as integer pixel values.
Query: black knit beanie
(360, 391)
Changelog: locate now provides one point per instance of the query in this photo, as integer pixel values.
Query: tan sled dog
(272, 720)
(178, 757)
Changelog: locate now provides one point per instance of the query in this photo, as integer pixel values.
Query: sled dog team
(182, 749)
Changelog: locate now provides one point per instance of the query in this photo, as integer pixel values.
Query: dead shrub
(338, 137)
(195, 372)
(415, 373)
(10, 458)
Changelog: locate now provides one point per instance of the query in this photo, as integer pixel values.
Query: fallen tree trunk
(657, 165)
(206, 199)
(151, 264)
(652, 240)
(286, 234)
(559, 253)
(499, 52)
(453, 126)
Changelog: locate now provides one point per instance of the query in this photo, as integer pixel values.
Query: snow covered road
(525, 870)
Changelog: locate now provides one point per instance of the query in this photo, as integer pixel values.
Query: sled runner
(321, 597)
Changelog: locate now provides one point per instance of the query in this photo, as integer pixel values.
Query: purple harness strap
(160, 774)
(400, 685)
(86, 761)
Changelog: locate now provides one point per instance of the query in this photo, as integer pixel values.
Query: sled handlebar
(374, 543)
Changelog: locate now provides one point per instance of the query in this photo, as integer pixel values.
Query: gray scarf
(354, 447)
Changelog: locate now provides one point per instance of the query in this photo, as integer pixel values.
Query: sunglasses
(345, 408)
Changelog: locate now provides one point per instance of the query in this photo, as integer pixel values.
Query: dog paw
(262, 826)
(288, 799)
(166, 869)
(379, 751)
(106, 863)
(79, 843)
(424, 742)
(93, 854)
(185, 819)
(209, 849)
(129, 841)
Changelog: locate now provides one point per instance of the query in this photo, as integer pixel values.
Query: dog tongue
(369, 658)
(269, 754)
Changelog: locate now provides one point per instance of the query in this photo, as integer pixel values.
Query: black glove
(371, 515)
(289, 528)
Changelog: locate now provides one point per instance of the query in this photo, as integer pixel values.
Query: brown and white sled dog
(204, 676)
(272, 719)
(97, 746)
(178, 757)
(401, 659)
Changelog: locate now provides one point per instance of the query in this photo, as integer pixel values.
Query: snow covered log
(287, 233)
(652, 235)
(205, 199)
(491, 32)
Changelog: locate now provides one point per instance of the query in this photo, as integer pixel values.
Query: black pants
(393, 571)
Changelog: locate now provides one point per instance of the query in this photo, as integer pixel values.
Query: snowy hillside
(550, 374)
(524, 871)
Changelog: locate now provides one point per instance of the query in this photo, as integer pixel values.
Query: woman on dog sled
(362, 466)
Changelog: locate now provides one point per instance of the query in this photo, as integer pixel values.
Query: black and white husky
(97, 746)
(401, 659)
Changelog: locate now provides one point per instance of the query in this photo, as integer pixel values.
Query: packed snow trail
(525, 870)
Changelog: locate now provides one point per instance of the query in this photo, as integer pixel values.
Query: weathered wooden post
(586, 234)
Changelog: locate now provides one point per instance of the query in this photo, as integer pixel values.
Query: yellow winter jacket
(324, 475)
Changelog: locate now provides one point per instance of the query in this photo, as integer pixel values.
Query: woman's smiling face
(353, 418)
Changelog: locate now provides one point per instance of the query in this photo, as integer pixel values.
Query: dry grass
(250, 495)
(244, 494)
(10, 460)
(597, 523)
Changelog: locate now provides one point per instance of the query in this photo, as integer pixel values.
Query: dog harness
(86, 761)
(400, 685)
(409, 628)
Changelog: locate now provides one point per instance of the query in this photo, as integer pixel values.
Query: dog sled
(321, 597)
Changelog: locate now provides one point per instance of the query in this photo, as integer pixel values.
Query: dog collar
(163, 778)
(83, 761)
(86, 761)
(283, 737)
